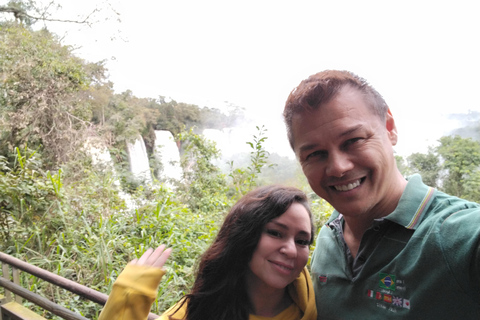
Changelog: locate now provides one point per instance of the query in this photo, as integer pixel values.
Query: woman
(255, 268)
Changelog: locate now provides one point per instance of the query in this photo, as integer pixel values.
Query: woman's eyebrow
(285, 227)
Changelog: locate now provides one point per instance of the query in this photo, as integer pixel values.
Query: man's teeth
(349, 186)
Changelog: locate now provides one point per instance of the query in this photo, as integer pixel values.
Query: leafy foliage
(39, 96)
(28, 12)
(178, 115)
(20, 10)
(74, 223)
(461, 160)
(453, 167)
(25, 194)
(428, 165)
(245, 179)
(204, 187)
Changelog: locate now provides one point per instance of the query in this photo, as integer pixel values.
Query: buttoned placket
(369, 242)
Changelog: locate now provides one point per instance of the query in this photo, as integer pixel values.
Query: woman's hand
(153, 258)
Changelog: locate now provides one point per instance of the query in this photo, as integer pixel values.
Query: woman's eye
(303, 242)
(274, 233)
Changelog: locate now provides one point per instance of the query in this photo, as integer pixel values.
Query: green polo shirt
(422, 261)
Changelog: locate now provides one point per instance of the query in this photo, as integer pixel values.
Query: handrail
(69, 285)
(72, 286)
(40, 301)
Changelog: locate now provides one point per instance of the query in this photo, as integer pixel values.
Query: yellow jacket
(136, 288)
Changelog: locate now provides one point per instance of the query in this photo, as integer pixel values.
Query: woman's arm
(136, 287)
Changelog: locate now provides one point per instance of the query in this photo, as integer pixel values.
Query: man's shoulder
(440, 200)
(443, 202)
(448, 214)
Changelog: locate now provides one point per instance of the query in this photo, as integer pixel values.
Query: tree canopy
(40, 96)
(28, 12)
(453, 166)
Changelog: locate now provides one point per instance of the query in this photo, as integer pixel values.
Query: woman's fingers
(154, 255)
(144, 257)
(160, 260)
(154, 258)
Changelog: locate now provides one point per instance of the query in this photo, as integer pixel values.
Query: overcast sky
(422, 56)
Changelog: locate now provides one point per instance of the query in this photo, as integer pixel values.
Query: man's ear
(391, 128)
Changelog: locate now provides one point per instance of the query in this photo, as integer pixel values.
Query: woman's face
(282, 251)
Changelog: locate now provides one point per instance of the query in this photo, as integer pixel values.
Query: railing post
(7, 294)
(6, 275)
(16, 280)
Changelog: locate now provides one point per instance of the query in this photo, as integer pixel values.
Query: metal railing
(14, 292)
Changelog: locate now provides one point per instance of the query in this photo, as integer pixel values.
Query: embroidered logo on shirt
(322, 278)
(397, 301)
(372, 294)
(387, 298)
(388, 301)
(387, 281)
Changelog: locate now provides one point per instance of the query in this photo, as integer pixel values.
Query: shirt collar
(415, 201)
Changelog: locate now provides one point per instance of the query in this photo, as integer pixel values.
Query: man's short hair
(322, 87)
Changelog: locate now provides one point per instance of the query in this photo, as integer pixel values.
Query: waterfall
(139, 165)
(166, 152)
(101, 158)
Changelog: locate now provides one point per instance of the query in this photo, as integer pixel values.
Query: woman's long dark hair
(219, 290)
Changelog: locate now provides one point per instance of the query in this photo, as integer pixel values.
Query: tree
(19, 10)
(402, 165)
(461, 160)
(203, 186)
(28, 12)
(40, 98)
(427, 165)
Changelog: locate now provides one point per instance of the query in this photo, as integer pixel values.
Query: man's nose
(338, 164)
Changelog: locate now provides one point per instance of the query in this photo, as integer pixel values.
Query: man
(393, 249)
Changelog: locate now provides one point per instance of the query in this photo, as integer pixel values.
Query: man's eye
(352, 141)
(317, 154)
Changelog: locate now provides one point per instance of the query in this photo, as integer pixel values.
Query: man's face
(346, 154)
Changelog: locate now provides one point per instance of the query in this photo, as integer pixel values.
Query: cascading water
(139, 165)
(166, 152)
(101, 158)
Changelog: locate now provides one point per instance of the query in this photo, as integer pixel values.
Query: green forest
(61, 212)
